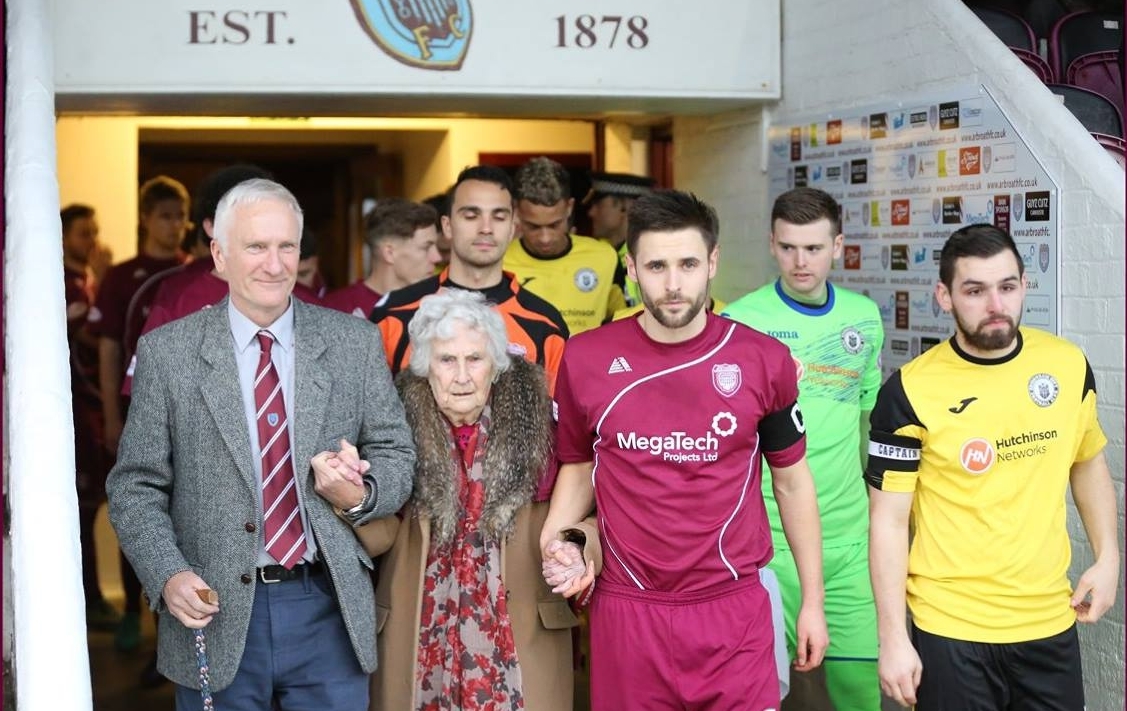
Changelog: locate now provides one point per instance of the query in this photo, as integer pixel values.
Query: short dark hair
(396, 218)
(214, 187)
(670, 210)
(159, 189)
(72, 212)
(802, 206)
(485, 174)
(982, 241)
(543, 181)
(441, 205)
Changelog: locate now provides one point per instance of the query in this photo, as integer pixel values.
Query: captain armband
(781, 429)
(891, 452)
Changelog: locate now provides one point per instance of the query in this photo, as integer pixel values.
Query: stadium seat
(1099, 72)
(1041, 15)
(1099, 115)
(1039, 66)
(1008, 27)
(1083, 33)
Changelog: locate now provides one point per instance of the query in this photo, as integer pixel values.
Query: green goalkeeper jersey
(836, 349)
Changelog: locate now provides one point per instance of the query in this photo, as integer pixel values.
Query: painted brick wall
(865, 52)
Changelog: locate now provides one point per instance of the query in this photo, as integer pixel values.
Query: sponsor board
(1037, 206)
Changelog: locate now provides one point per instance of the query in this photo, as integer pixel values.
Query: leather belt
(277, 574)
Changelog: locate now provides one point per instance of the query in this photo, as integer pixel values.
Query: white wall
(865, 52)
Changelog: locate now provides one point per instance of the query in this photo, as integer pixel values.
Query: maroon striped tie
(285, 538)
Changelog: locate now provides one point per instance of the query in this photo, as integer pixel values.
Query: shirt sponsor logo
(680, 446)
(1024, 445)
(977, 456)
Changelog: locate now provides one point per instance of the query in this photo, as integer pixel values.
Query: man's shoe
(101, 616)
(128, 635)
(150, 677)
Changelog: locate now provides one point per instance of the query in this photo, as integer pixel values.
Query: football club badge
(1043, 389)
(885, 256)
(1017, 206)
(852, 340)
(272, 419)
(936, 210)
(586, 279)
(911, 165)
(428, 34)
(726, 378)
(987, 158)
(1043, 257)
(933, 116)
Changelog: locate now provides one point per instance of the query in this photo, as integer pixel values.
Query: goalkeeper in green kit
(835, 337)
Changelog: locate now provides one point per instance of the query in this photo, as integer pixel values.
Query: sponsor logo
(928, 342)
(724, 424)
(1002, 212)
(783, 334)
(1003, 158)
(800, 179)
(919, 256)
(970, 160)
(816, 174)
(948, 115)
(1043, 389)
(901, 212)
(878, 125)
(813, 135)
(586, 279)
(952, 210)
(1037, 206)
(796, 143)
(958, 409)
(970, 113)
(915, 346)
(852, 340)
(898, 121)
(427, 35)
(899, 257)
(898, 346)
(917, 118)
(1043, 257)
(833, 132)
(680, 446)
(619, 365)
(977, 456)
(833, 173)
(902, 321)
(859, 171)
(852, 256)
(726, 378)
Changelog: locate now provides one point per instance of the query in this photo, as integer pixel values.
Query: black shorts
(1039, 675)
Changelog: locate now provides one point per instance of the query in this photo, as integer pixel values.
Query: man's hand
(339, 476)
(899, 668)
(812, 637)
(564, 569)
(183, 602)
(1095, 591)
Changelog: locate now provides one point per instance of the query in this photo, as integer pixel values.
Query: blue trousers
(298, 656)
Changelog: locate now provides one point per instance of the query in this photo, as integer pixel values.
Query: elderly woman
(466, 619)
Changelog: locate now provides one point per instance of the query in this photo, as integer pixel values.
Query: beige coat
(541, 620)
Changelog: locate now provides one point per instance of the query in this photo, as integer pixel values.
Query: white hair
(436, 317)
(250, 192)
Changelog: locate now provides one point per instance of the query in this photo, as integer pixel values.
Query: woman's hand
(565, 571)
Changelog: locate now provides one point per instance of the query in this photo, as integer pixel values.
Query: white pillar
(51, 663)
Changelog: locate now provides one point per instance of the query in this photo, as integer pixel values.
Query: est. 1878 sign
(719, 55)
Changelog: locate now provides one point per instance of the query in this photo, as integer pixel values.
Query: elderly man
(233, 407)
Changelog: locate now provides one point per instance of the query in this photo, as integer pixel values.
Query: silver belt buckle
(263, 578)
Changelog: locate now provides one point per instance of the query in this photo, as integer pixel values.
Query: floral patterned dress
(467, 657)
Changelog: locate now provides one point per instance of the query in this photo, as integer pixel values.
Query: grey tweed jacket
(183, 490)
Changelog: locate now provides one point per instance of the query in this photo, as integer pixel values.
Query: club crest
(1017, 206)
(272, 419)
(726, 378)
(1043, 257)
(428, 34)
(1043, 389)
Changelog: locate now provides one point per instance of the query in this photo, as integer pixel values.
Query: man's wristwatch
(361, 508)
